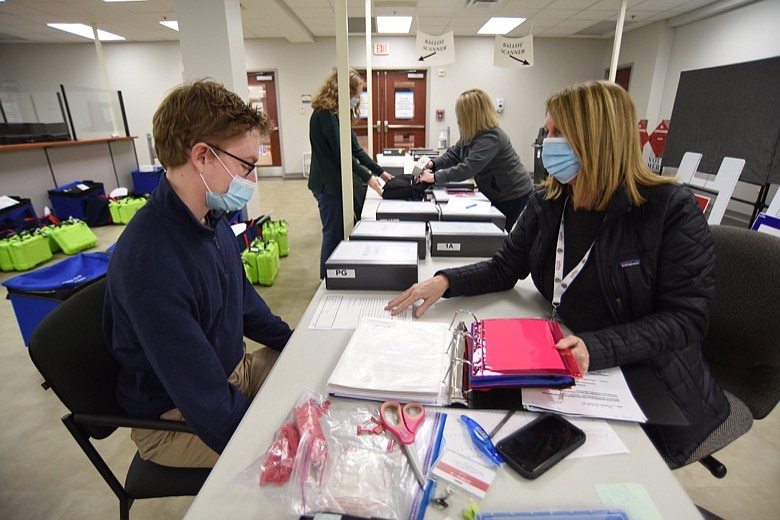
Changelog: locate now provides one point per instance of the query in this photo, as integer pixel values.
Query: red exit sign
(381, 49)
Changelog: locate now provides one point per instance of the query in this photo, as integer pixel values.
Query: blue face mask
(353, 102)
(559, 159)
(240, 191)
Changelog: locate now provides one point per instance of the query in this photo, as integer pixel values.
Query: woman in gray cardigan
(485, 153)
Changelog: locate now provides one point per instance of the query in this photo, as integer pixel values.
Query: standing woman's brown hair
(327, 98)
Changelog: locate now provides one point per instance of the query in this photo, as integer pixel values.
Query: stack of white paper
(394, 360)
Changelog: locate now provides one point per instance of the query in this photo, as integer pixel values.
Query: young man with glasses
(177, 301)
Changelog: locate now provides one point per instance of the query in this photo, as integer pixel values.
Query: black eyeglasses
(250, 166)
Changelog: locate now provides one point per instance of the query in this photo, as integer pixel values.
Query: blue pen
(482, 440)
(471, 206)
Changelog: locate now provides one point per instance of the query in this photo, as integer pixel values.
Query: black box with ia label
(472, 239)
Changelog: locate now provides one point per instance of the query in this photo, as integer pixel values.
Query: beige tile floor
(44, 475)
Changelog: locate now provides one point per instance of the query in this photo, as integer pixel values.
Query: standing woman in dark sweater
(485, 153)
(325, 172)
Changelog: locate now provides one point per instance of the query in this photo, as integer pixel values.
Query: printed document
(602, 393)
(346, 311)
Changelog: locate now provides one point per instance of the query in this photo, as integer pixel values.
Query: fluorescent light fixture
(110, 1)
(393, 24)
(80, 29)
(170, 24)
(500, 25)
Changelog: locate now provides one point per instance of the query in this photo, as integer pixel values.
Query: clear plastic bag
(333, 468)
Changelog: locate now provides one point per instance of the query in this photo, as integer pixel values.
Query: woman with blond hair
(623, 255)
(485, 154)
(325, 169)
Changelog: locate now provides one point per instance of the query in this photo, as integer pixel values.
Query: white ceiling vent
(483, 3)
(357, 25)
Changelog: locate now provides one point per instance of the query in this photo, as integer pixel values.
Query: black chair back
(70, 352)
(742, 344)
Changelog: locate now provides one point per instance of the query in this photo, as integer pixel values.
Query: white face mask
(240, 191)
(354, 102)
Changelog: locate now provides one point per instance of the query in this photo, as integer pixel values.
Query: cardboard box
(419, 211)
(461, 213)
(393, 231)
(372, 265)
(473, 239)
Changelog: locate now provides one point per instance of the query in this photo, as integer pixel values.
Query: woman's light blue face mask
(240, 191)
(353, 102)
(559, 159)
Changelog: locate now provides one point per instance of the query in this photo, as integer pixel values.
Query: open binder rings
(439, 365)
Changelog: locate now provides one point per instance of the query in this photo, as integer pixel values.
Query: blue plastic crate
(144, 182)
(37, 293)
(30, 310)
(19, 216)
(70, 201)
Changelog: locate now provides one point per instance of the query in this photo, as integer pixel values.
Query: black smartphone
(540, 444)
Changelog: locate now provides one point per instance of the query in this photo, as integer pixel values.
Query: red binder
(504, 351)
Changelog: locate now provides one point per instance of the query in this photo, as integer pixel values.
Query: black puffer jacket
(655, 265)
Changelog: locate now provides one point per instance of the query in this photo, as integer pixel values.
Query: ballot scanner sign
(514, 53)
(435, 50)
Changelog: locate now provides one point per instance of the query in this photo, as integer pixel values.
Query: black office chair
(69, 351)
(742, 346)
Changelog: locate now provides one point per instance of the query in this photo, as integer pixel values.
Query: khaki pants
(186, 450)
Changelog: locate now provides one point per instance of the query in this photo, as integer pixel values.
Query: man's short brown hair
(203, 111)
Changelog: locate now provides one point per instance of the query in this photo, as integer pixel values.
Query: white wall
(749, 33)
(144, 72)
(745, 34)
(303, 67)
(647, 50)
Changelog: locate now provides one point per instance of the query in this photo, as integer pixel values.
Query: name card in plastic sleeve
(465, 473)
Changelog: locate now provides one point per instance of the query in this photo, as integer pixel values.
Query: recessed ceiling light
(500, 25)
(86, 31)
(393, 24)
(170, 24)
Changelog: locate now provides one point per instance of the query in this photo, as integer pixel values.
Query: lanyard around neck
(561, 282)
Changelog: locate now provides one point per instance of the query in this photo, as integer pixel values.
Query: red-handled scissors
(403, 423)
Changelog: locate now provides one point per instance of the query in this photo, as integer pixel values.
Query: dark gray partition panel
(729, 111)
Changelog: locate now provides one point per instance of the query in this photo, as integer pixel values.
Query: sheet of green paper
(632, 497)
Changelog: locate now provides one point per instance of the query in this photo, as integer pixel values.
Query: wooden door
(262, 94)
(400, 108)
